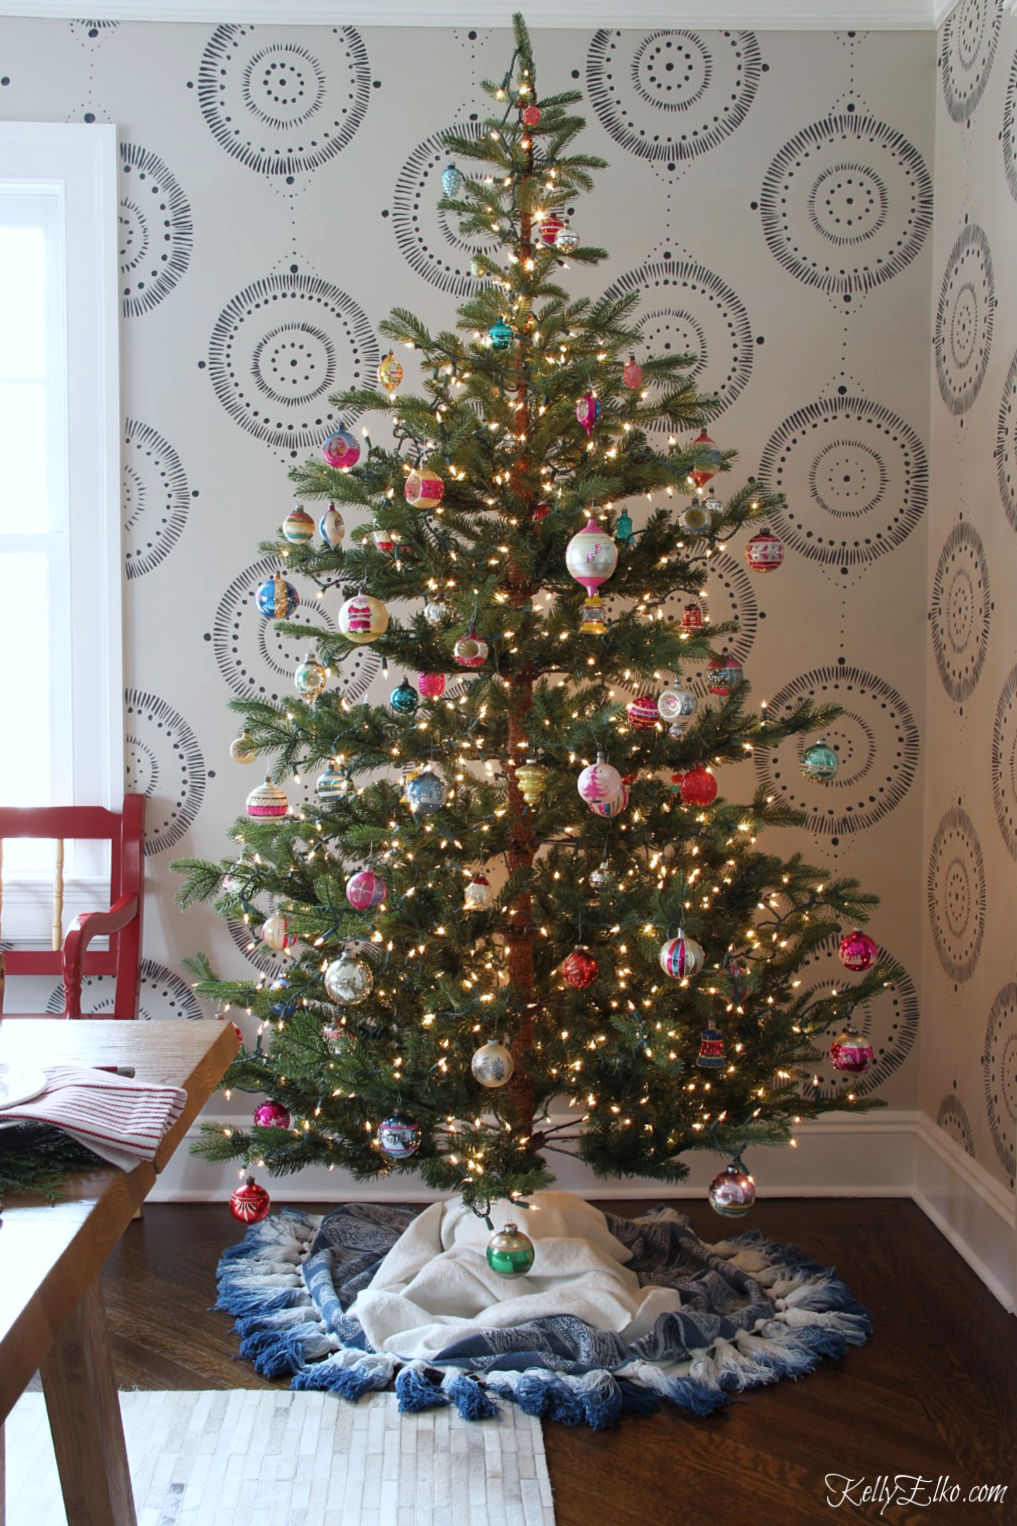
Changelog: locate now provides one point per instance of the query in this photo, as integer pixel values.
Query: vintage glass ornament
(298, 526)
(426, 794)
(365, 890)
(711, 1049)
(470, 651)
(250, 1202)
(276, 598)
(500, 335)
(478, 894)
(383, 541)
(764, 552)
(237, 880)
(532, 780)
(271, 1115)
(363, 618)
(675, 704)
(451, 180)
(242, 749)
(851, 1052)
(399, 1136)
(599, 782)
(697, 786)
(591, 617)
(332, 526)
(601, 877)
(436, 612)
(677, 729)
(492, 1064)
(632, 373)
(732, 1192)
(390, 373)
(566, 239)
(267, 800)
(695, 518)
(591, 556)
(692, 618)
(530, 116)
(857, 951)
(642, 712)
(349, 980)
(579, 969)
(589, 411)
(624, 534)
(819, 761)
(282, 1008)
(275, 931)
(431, 685)
(332, 784)
(540, 512)
(311, 677)
(341, 450)
(423, 488)
(613, 807)
(549, 229)
(406, 773)
(682, 958)
(510, 1253)
(403, 699)
(703, 473)
(725, 673)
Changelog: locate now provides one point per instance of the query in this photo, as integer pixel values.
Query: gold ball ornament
(242, 749)
(390, 373)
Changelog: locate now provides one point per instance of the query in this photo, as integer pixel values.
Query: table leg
(84, 1417)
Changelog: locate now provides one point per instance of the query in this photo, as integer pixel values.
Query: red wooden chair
(71, 958)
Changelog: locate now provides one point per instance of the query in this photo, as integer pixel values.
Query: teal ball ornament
(509, 1252)
(451, 180)
(403, 699)
(819, 761)
(332, 785)
(500, 336)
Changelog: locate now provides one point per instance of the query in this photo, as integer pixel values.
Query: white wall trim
(975, 1212)
(757, 15)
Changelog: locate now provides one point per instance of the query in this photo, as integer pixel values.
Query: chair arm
(86, 926)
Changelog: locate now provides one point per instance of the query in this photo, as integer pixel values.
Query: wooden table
(52, 1318)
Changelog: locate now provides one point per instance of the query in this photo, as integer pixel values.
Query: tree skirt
(616, 1315)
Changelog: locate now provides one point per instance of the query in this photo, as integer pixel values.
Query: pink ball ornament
(599, 782)
(591, 556)
(365, 890)
(267, 800)
(470, 651)
(531, 116)
(431, 685)
(682, 958)
(642, 712)
(341, 450)
(851, 1052)
(589, 411)
(271, 1115)
(764, 552)
(857, 951)
(632, 373)
(549, 229)
(423, 488)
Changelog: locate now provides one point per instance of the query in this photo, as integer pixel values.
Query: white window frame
(81, 163)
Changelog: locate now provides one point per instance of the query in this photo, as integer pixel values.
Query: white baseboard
(967, 1205)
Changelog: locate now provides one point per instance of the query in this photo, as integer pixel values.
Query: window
(61, 661)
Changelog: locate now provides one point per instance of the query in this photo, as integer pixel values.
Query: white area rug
(298, 1459)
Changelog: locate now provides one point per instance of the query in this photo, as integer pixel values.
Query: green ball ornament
(510, 1252)
(819, 761)
(403, 699)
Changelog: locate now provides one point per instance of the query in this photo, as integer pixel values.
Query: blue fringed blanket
(617, 1314)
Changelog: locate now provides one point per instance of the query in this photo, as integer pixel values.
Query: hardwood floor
(934, 1393)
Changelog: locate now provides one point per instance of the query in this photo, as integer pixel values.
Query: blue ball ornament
(331, 785)
(451, 180)
(276, 598)
(404, 699)
(426, 794)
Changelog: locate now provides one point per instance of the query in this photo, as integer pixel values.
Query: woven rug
(630, 1314)
(296, 1459)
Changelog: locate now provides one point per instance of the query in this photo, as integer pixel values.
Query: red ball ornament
(250, 1202)
(531, 116)
(541, 511)
(271, 1115)
(632, 373)
(692, 619)
(851, 1052)
(857, 951)
(764, 552)
(701, 475)
(470, 651)
(549, 229)
(642, 712)
(579, 969)
(725, 674)
(698, 786)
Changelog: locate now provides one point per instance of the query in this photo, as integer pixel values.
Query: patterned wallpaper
(770, 197)
(969, 969)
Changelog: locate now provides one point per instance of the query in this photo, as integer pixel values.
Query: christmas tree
(519, 914)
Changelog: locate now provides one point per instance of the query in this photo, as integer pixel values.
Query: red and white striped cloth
(120, 1119)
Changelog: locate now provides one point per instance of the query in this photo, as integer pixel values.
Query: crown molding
(757, 15)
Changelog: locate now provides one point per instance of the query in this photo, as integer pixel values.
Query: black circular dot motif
(277, 351)
(155, 498)
(164, 762)
(955, 894)
(964, 315)
(1006, 445)
(276, 105)
(889, 1021)
(687, 310)
(846, 204)
(429, 239)
(969, 38)
(960, 611)
(876, 741)
(155, 231)
(999, 1070)
(672, 96)
(953, 1120)
(162, 994)
(860, 466)
(1004, 762)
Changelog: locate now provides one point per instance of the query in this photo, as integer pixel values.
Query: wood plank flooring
(933, 1394)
